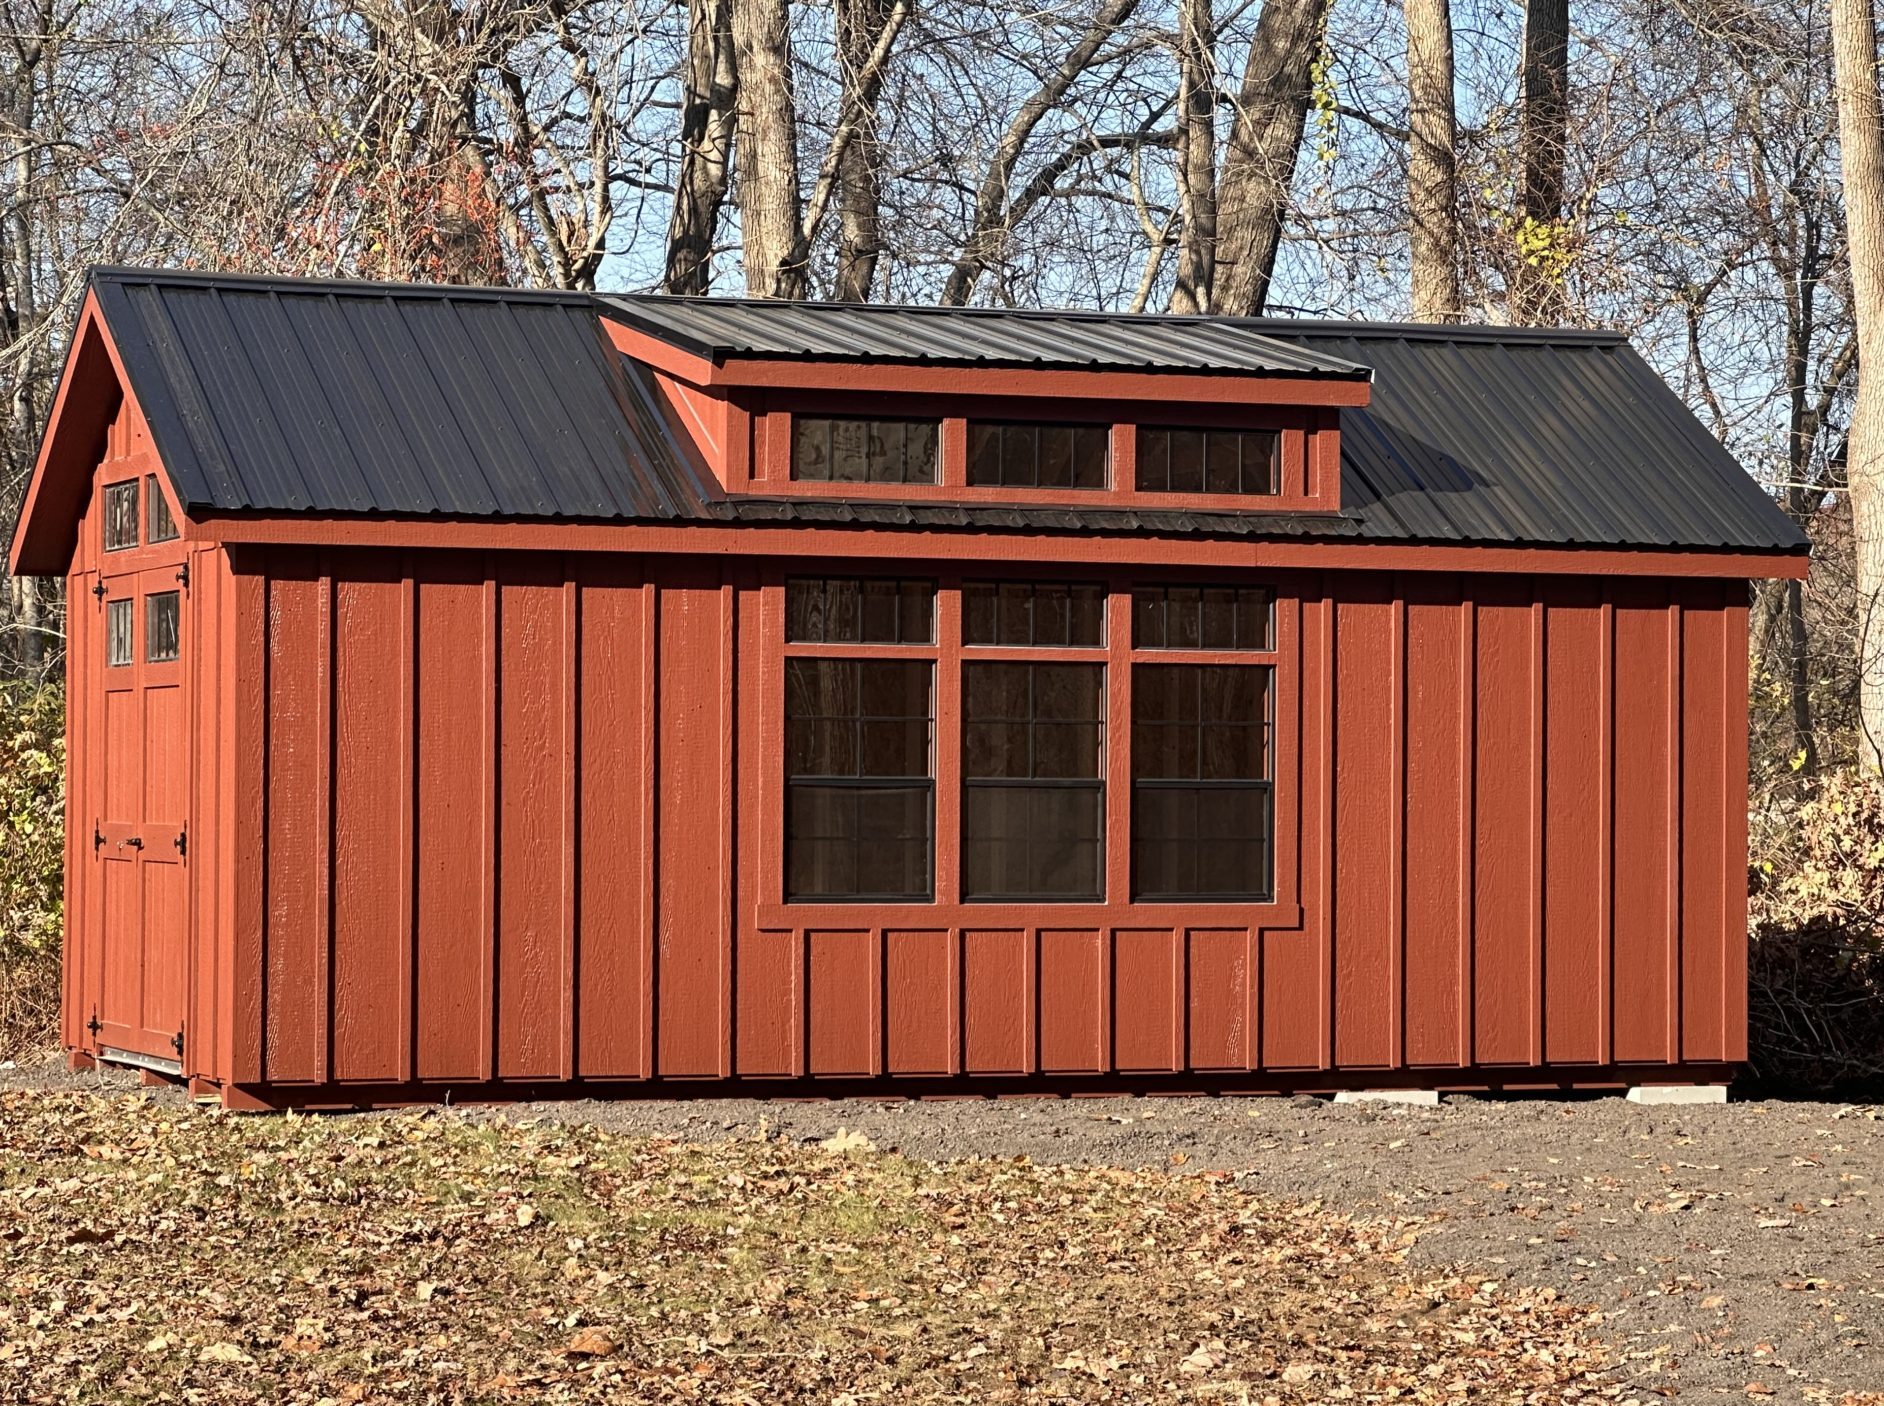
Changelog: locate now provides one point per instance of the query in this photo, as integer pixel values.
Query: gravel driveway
(1732, 1251)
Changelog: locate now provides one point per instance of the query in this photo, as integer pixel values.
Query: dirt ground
(1732, 1251)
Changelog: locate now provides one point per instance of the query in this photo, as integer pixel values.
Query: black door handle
(133, 841)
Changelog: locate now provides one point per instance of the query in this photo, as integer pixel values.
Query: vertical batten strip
(1734, 818)
(1325, 1008)
(1606, 852)
(728, 794)
(1539, 748)
(946, 745)
(572, 835)
(1675, 807)
(1396, 844)
(1468, 820)
(488, 920)
(408, 928)
(324, 820)
(650, 851)
(249, 684)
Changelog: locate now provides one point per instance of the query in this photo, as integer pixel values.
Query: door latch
(134, 841)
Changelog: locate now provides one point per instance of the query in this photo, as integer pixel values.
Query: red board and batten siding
(511, 819)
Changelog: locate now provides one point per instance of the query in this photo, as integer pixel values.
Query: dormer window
(1018, 455)
(1172, 459)
(829, 449)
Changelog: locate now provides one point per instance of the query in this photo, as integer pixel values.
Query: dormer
(993, 407)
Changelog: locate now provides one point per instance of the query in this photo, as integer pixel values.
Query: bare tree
(861, 28)
(1544, 120)
(1861, 153)
(769, 195)
(1432, 194)
(1259, 162)
(1196, 156)
(708, 116)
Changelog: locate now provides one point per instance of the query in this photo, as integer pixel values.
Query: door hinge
(176, 1042)
(183, 843)
(184, 576)
(99, 590)
(98, 840)
(92, 1024)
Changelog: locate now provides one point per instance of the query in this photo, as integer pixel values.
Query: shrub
(32, 860)
(1816, 909)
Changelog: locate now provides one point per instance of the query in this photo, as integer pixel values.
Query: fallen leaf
(591, 1342)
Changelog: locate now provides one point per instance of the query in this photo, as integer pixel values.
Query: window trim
(1297, 637)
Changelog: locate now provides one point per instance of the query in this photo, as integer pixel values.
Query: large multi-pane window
(1201, 801)
(839, 449)
(1027, 702)
(1033, 788)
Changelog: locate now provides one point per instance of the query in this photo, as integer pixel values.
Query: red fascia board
(881, 545)
(768, 373)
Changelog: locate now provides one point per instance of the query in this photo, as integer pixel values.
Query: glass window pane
(840, 610)
(1033, 842)
(1222, 462)
(1019, 613)
(1207, 617)
(1154, 460)
(850, 450)
(161, 622)
(984, 454)
(835, 450)
(1232, 462)
(118, 632)
(121, 515)
(1187, 461)
(1033, 721)
(811, 448)
(920, 451)
(1183, 617)
(1202, 841)
(1259, 462)
(1016, 615)
(1022, 455)
(1086, 616)
(159, 525)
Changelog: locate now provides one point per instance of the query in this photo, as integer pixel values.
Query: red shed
(497, 693)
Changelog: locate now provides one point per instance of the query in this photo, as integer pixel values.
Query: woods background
(1671, 168)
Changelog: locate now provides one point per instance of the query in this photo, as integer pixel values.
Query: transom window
(860, 779)
(831, 449)
(1201, 617)
(1037, 456)
(846, 610)
(1035, 752)
(1176, 460)
(121, 515)
(1046, 614)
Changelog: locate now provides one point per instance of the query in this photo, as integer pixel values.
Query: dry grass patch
(156, 1252)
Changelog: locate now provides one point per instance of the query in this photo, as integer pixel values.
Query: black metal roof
(283, 395)
(716, 328)
(286, 395)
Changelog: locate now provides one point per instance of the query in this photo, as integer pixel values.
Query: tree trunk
(1197, 157)
(1861, 153)
(1543, 130)
(708, 115)
(1432, 196)
(1259, 163)
(860, 24)
(770, 214)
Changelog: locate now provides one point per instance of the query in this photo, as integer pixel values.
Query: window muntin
(162, 624)
(855, 610)
(1202, 617)
(1016, 455)
(118, 625)
(1033, 789)
(121, 515)
(859, 779)
(1039, 614)
(159, 525)
(1202, 798)
(831, 449)
(1172, 459)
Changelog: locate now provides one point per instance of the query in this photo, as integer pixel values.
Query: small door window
(160, 627)
(117, 632)
(121, 515)
(159, 525)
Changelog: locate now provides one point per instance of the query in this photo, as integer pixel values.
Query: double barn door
(139, 834)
